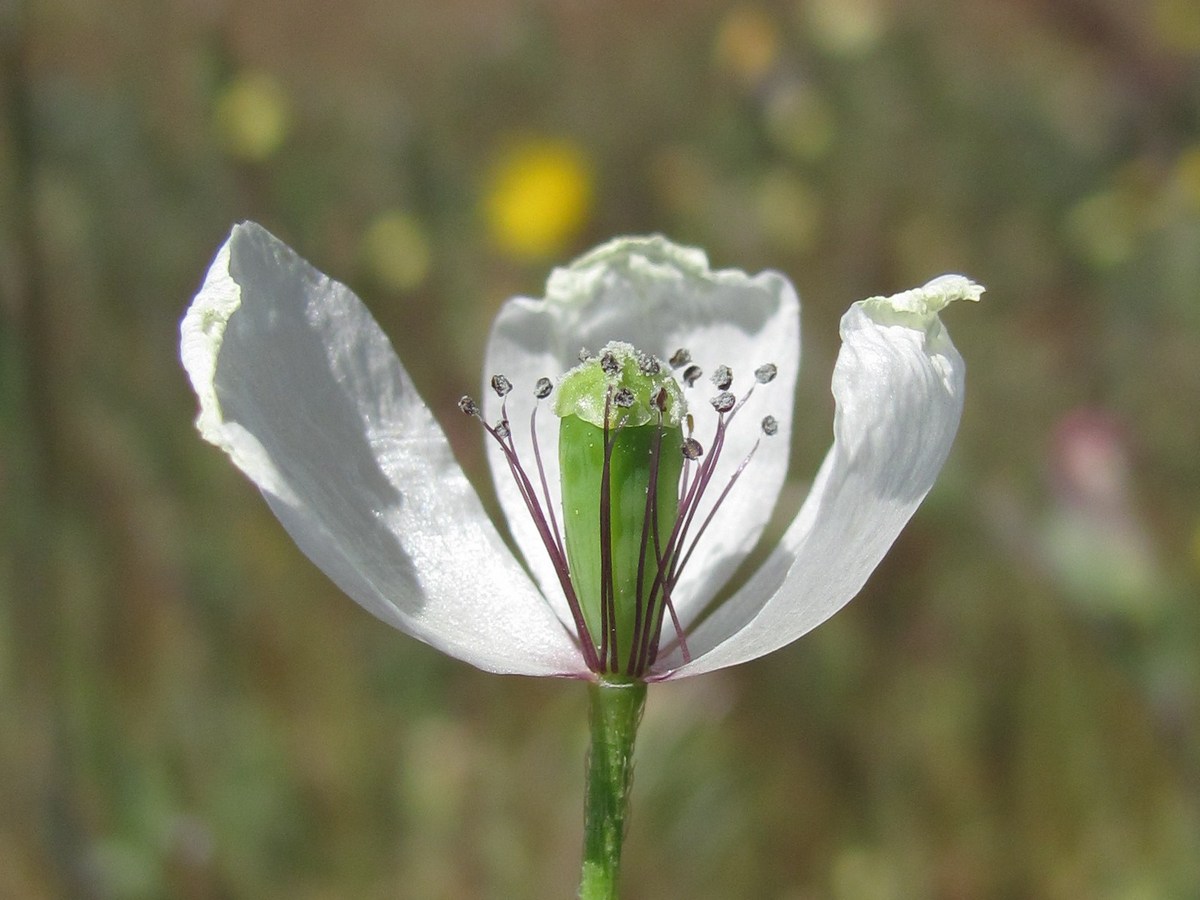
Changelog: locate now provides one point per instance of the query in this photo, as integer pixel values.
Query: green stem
(616, 710)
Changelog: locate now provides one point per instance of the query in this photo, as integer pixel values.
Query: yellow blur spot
(1107, 226)
(863, 874)
(1103, 229)
(538, 197)
(847, 28)
(1178, 24)
(789, 211)
(800, 121)
(1187, 175)
(747, 44)
(396, 251)
(1196, 547)
(252, 116)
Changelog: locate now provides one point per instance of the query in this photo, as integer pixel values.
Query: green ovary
(637, 451)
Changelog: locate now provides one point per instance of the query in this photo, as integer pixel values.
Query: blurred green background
(1009, 710)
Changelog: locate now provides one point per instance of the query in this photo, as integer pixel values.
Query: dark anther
(660, 400)
(623, 397)
(647, 364)
(770, 426)
(691, 449)
(543, 388)
(501, 385)
(691, 375)
(723, 402)
(722, 378)
(584, 354)
(502, 430)
(680, 357)
(766, 373)
(608, 362)
(468, 406)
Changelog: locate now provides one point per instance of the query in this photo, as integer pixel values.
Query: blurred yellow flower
(538, 197)
(396, 250)
(1178, 24)
(847, 28)
(1187, 175)
(1107, 226)
(252, 116)
(800, 121)
(1102, 228)
(747, 44)
(788, 210)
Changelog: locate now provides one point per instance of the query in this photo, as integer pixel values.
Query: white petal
(659, 297)
(898, 383)
(301, 388)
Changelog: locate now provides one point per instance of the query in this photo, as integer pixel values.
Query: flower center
(620, 457)
(632, 477)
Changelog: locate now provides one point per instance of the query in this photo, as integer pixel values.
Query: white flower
(298, 384)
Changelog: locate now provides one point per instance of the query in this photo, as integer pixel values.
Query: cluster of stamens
(664, 554)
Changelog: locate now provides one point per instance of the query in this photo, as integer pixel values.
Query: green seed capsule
(619, 499)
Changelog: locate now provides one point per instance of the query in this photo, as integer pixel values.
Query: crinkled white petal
(898, 384)
(298, 384)
(659, 297)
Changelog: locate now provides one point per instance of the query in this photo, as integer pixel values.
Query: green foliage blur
(1009, 710)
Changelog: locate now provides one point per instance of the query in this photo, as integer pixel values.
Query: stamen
(742, 402)
(770, 427)
(689, 503)
(647, 364)
(712, 512)
(648, 652)
(683, 540)
(691, 451)
(661, 558)
(665, 577)
(745, 398)
(723, 402)
(609, 364)
(690, 500)
(680, 635)
(541, 470)
(680, 358)
(649, 526)
(647, 648)
(551, 542)
(623, 397)
(558, 558)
